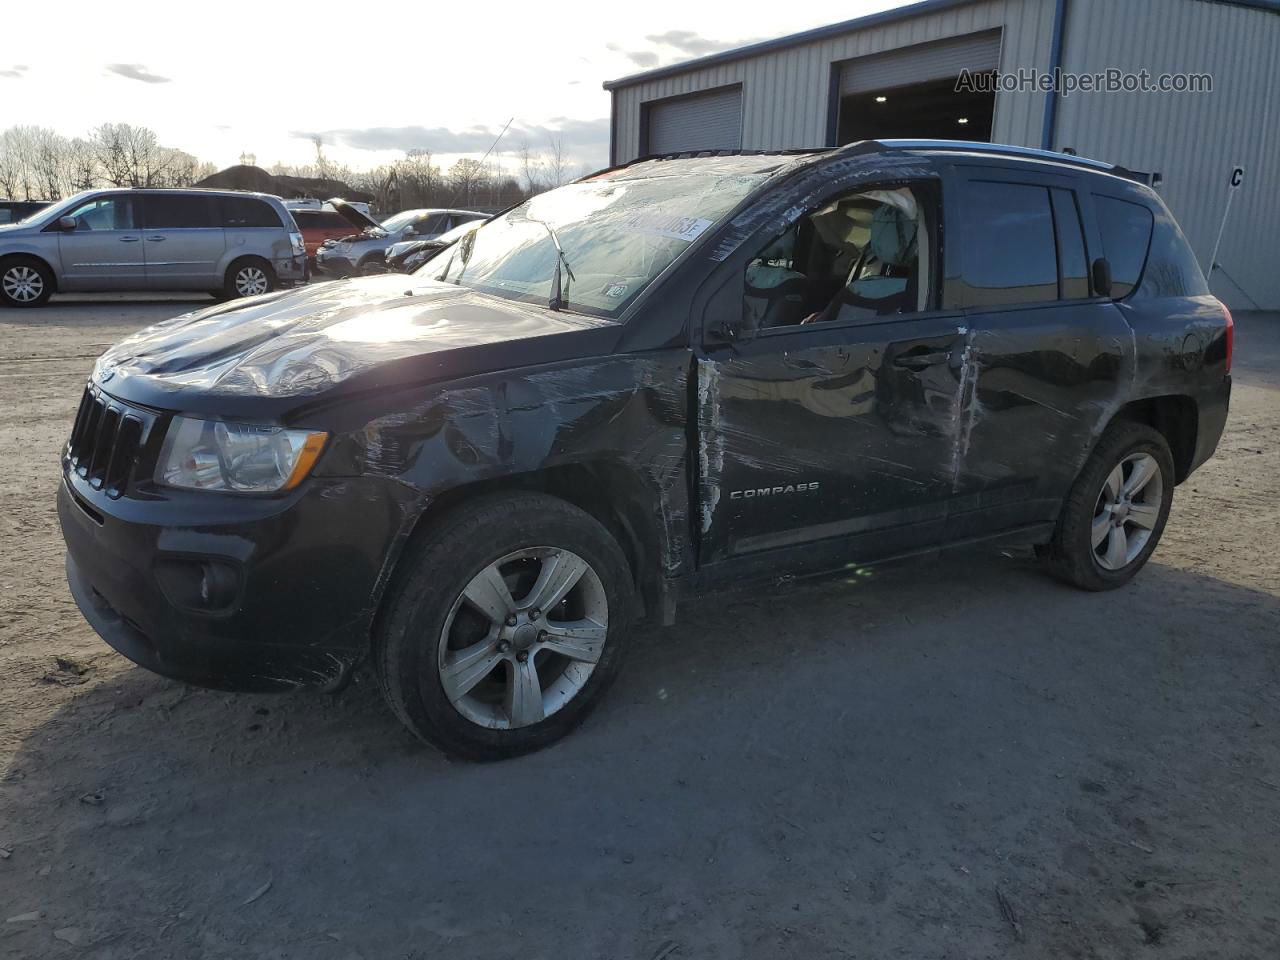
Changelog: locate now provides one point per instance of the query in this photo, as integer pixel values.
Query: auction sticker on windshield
(687, 229)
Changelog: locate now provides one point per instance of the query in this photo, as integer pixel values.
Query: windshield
(392, 224)
(617, 236)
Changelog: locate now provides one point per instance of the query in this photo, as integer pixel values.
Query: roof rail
(998, 149)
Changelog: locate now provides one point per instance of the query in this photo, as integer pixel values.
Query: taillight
(1231, 335)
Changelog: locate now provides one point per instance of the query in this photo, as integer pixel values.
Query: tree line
(37, 163)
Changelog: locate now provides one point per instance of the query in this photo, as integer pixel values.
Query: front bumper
(334, 265)
(296, 586)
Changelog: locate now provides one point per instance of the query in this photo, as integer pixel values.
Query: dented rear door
(1047, 361)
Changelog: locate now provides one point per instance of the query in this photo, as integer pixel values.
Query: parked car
(408, 255)
(11, 211)
(352, 254)
(230, 244)
(317, 226)
(673, 377)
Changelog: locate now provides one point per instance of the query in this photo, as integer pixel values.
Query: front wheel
(24, 282)
(1116, 511)
(505, 627)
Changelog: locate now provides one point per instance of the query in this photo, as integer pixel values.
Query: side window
(333, 221)
(1126, 234)
(1073, 267)
(435, 223)
(104, 213)
(177, 211)
(1008, 251)
(305, 219)
(247, 212)
(863, 256)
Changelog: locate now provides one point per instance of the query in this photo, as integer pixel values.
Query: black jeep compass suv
(664, 378)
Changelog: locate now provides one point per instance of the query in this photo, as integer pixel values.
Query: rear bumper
(1213, 406)
(291, 270)
(294, 582)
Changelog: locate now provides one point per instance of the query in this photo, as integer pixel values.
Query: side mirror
(1102, 277)
(66, 224)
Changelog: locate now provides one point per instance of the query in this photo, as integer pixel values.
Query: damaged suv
(670, 377)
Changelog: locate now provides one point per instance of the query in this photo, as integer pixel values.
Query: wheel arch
(608, 491)
(1177, 418)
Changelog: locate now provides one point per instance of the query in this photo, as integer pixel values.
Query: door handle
(918, 361)
(154, 239)
(130, 239)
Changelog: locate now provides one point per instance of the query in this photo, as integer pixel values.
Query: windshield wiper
(557, 301)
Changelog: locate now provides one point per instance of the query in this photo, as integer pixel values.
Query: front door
(105, 250)
(827, 410)
(184, 241)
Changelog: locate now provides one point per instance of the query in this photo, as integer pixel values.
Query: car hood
(353, 216)
(372, 333)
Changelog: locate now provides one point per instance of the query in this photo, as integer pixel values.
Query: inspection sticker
(687, 229)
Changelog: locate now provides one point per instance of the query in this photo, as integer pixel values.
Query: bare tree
(557, 163)
(530, 170)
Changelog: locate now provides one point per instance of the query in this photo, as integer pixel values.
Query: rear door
(105, 251)
(184, 241)
(1048, 359)
(828, 384)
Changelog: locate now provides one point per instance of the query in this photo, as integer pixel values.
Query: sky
(222, 79)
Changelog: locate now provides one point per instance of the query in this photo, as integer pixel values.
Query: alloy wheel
(523, 638)
(22, 283)
(251, 281)
(1127, 511)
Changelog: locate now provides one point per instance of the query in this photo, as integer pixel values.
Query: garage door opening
(934, 111)
(911, 91)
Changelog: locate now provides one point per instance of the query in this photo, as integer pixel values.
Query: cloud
(674, 45)
(15, 72)
(579, 137)
(641, 58)
(135, 71)
(690, 44)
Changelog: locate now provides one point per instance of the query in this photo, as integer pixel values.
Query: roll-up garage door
(925, 61)
(701, 121)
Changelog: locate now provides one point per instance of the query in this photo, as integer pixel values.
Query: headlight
(218, 455)
(413, 259)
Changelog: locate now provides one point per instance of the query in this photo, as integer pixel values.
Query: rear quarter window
(248, 212)
(1126, 236)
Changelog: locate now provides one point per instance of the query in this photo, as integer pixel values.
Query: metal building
(894, 74)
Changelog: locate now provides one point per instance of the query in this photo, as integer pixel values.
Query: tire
(248, 277)
(371, 265)
(472, 706)
(25, 282)
(1112, 519)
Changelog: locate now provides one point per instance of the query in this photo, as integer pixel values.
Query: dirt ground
(954, 757)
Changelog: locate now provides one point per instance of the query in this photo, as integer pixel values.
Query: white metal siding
(921, 63)
(1193, 139)
(785, 92)
(706, 121)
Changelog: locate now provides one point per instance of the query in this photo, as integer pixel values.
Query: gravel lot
(955, 757)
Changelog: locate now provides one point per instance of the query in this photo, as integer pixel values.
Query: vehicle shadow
(954, 752)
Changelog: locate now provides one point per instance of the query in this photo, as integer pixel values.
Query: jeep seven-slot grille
(106, 440)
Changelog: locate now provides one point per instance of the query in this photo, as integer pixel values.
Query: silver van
(229, 243)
